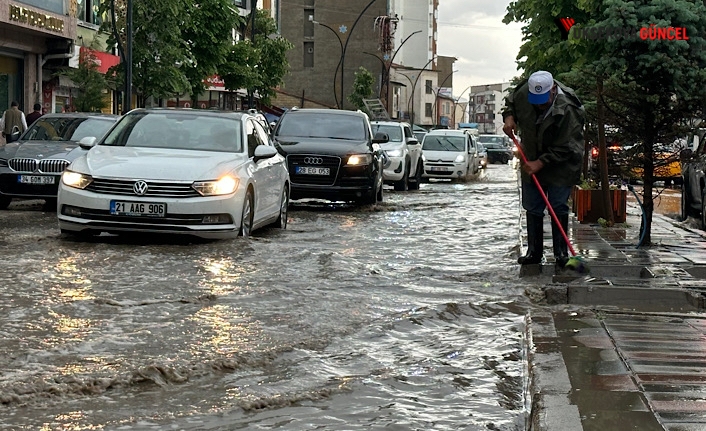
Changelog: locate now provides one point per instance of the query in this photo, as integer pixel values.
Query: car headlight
(394, 153)
(76, 179)
(424, 158)
(223, 186)
(460, 158)
(359, 159)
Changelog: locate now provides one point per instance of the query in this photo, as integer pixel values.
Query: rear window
(444, 143)
(493, 141)
(322, 125)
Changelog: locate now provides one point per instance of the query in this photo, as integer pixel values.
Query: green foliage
(362, 88)
(91, 84)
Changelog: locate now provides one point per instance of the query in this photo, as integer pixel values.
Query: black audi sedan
(31, 167)
(331, 154)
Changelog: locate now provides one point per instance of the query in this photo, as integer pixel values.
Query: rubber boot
(561, 248)
(535, 241)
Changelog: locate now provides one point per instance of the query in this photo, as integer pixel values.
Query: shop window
(88, 11)
(428, 86)
(427, 109)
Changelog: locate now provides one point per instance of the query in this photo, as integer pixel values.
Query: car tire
(414, 185)
(246, 217)
(5, 202)
(403, 184)
(281, 221)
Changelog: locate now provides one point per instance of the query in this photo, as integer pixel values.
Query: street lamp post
(436, 97)
(414, 86)
(345, 47)
(340, 61)
(127, 103)
(385, 83)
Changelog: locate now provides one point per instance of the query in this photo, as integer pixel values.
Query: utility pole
(127, 102)
(253, 12)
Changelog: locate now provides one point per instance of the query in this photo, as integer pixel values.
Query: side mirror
(381, 138)
(273, 124)
(264, 152)
(413, 142)
(686, 154)
(87, 143)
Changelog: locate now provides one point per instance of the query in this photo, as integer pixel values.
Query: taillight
(594, 152)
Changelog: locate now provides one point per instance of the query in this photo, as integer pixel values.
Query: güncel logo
(569, 28)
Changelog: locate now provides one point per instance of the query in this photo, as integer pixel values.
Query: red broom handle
(544, 196)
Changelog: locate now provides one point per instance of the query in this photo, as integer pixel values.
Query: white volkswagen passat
(204, 173)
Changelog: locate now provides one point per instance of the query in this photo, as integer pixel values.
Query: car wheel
(403, 184)
(247, 215)
(417, 177)
(5, 202)
(685, 204)
(281, 221)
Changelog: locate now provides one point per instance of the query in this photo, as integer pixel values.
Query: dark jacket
(557, 140)
(32, 117)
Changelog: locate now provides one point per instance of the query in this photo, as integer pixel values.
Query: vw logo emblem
(313, 160)
(140, 188)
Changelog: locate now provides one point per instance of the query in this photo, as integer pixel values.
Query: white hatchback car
(450, 154)
(204, 173)
(404, 167)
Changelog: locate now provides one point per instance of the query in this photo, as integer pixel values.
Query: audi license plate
(35, 179)
(310, 170)
(140, 209)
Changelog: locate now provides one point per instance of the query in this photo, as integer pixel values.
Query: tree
(209, 41)
(90, 81)
(362, 88)
(258, 65)
(159, 48)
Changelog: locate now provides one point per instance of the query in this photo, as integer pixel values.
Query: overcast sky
(473, 32)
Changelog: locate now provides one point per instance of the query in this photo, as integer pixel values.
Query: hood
(157, 163)
(393, 145)
(323, 146)
(441, 156)
(41, 150)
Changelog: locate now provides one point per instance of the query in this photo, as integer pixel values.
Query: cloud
(486, 48)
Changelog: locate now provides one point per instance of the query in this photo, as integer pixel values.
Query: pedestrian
(32, 116)
(549, 117)
(13, 122)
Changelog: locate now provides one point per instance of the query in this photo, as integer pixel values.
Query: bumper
(395, 170)
(11, 186)
(81, 210)
(447, 170)
(333, 193)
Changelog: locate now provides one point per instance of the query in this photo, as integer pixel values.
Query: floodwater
(406, 316)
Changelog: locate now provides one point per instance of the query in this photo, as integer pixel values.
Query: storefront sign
(214, 82)
(36, 19)
(103, 60)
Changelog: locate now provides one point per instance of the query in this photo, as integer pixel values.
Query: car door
(275, 173)
(259, 172)
(414, 147)
(472, 153)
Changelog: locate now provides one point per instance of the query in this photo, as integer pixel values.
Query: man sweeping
(550, 120)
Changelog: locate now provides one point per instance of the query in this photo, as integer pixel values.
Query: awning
(103, 60)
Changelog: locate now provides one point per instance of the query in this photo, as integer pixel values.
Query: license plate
(437, 169)
(139, 209)
(308, 170)
(35, 179)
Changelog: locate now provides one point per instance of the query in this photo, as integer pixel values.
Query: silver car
(31, 167)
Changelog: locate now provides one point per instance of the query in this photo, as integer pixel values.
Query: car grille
(47, 166)
(331, 162)
(154, 188)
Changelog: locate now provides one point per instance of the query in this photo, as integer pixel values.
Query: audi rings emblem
(313, 160)
(140, 188)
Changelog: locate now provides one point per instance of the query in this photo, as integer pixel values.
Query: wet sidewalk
(624, 347)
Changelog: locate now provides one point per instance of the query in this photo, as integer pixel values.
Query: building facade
(417, 28)
(485, 106)
(37, 38)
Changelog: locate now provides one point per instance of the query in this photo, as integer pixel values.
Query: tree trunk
(603, 152)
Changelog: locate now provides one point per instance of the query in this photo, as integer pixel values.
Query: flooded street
(407, 315)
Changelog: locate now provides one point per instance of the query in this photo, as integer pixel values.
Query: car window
(264, 136)
(252, 136)
(67, 129)
(407, 132)
(444, 143)
(394, 132)
(176, 130)
(322, 125)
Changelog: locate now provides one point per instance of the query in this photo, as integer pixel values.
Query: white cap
(540, 83)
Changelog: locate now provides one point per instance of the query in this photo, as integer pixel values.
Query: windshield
(444, 143)
(67, 129)
(394, 132)
(322, 125)
(177, 130)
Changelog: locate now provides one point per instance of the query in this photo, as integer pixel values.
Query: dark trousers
(534, 204)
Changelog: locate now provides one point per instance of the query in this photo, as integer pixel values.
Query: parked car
(482, 156)
(404, 167)
(693, 187)
(419, 132)
(31, 167)
(331, 154)
(450, 154)
(498, 147)
(667, 166)
(209, 174)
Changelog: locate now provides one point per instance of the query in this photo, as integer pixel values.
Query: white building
(415, 16)
(486, 105)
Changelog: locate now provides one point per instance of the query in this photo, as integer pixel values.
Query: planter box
(588, 205)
